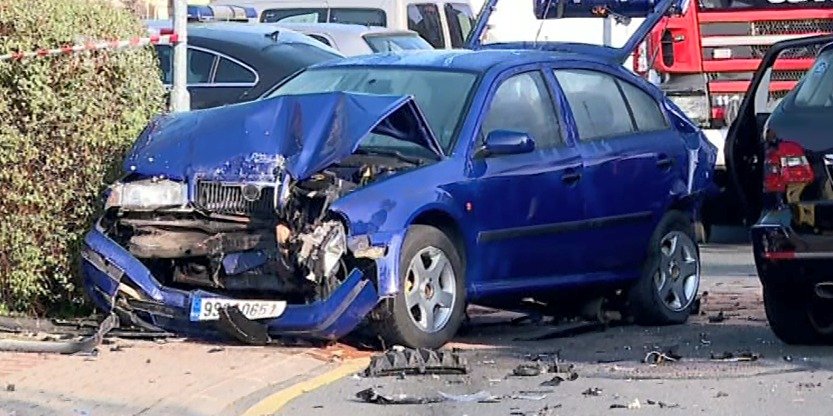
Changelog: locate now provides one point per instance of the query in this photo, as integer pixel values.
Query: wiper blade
(394, 153)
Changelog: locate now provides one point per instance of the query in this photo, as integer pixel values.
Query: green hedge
(65, 124)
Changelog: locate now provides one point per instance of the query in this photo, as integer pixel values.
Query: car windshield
(393, 43)
(816, 89)
(441, 95)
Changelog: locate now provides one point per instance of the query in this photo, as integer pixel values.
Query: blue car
(395, 189)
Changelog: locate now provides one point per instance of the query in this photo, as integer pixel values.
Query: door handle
(664, 162)
(570, 177)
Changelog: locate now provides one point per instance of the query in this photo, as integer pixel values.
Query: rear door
(632, 158)
(745, 144)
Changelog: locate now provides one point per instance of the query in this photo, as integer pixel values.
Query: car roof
(340, 29)
(245, 36)
(462, 59)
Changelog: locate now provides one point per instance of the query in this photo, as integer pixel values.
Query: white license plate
(208, 309)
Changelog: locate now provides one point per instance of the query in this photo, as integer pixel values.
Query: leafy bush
(65, 124)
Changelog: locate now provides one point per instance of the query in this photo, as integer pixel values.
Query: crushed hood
(309, 132)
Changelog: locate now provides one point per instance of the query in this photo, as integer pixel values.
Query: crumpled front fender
(107, 266)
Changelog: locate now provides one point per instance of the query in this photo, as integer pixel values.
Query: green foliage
(65, 125)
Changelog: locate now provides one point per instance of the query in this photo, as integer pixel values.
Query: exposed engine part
(261, 239)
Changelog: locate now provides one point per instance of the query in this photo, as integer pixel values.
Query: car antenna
(274, 35)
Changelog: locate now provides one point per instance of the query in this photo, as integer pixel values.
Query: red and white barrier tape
(93, 46)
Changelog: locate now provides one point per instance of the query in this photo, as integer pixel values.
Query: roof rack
(227, 13)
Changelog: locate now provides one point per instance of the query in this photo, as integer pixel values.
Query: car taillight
(785, 165)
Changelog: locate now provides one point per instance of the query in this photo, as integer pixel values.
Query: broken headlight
(147, 194)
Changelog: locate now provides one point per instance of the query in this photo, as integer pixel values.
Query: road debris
(527, 370)
(592, 391)
(661, 404)
(86, 345)
(10, 387)
(416, 361)
(721, 394)
(659, 357)
(743, 356)
(479, 397)
(715, 319)
(370, 395)
(632, 405)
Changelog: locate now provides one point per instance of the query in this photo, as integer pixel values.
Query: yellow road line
(271, 404)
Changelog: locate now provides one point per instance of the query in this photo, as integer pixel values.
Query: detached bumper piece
(417, 361)
(109, 270)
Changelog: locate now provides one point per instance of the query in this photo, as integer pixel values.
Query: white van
(444, 24)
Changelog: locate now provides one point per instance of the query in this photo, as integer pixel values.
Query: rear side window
(230, 72)
(320, 38)
(460, 21)
(646, 112)
(816, 89)
(393, 43)
(597, 105)
(425, 20)
(200, 65)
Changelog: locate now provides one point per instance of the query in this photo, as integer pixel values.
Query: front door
(524, 203)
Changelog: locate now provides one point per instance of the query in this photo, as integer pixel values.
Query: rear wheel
(796, 316)
(671, 275)
(429, 307)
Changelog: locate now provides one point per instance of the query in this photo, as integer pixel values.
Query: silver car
(352, 40)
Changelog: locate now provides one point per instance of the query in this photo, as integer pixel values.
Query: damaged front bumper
(117, 281)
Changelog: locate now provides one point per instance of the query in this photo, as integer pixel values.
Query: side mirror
(504, 142)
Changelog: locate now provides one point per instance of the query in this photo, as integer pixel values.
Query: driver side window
(522, 103)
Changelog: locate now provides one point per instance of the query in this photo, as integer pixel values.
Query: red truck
(705, 58)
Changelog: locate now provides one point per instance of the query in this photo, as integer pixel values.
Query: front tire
(665, 292)
(429, 307)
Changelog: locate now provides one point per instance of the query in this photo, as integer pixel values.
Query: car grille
(791, 27)
(228, 198)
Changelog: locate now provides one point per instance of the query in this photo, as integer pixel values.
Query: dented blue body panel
(505, 213)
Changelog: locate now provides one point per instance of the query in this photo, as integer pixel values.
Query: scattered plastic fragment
(480, 397)
(661, 404)
(527, 370)
(370, 395)
(216, 349)
(592, 391)
(659, 357)
(735, 357)
(416, 361)
(714, 319)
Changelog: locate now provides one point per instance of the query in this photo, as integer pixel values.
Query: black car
(781, 161)
(234, 62)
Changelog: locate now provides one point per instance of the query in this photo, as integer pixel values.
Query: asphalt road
(784, 380)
